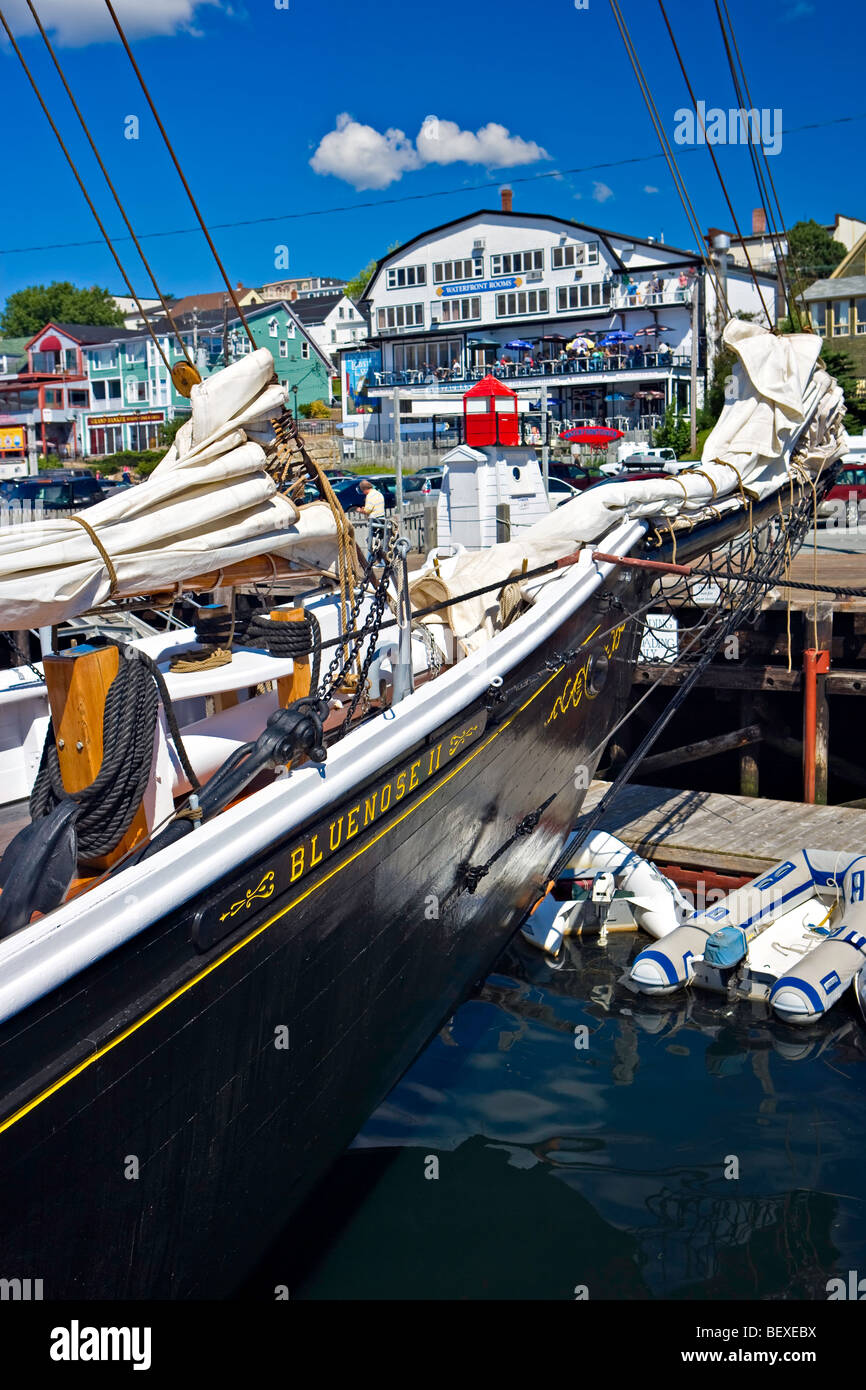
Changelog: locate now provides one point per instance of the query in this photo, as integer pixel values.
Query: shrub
(314, 410)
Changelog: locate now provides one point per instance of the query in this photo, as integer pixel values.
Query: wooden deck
(724, 834)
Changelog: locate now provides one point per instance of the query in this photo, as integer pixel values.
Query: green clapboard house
(131, 393)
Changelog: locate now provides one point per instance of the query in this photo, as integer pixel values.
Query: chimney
(759, 222)
(507, 197)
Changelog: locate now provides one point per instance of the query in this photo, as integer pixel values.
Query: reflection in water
(587, 1136)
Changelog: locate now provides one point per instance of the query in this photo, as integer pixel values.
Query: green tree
(28, 310)
(169, 429)
(812, 254)
(674, 433)
(314, 410)
(840, 366)
(359, 283)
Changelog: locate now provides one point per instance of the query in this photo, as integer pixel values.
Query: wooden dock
(724, 834)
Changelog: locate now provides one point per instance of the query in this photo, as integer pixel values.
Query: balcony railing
(589, 366)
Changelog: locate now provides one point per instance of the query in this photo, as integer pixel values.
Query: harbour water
(562, 1138)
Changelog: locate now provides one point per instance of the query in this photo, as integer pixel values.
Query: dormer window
(273, 327)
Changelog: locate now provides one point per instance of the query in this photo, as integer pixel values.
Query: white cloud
(801, 10)
(601, 192)
(364, 157)
(73, 23)
(443, 142)
(648, 188)
(368, 158)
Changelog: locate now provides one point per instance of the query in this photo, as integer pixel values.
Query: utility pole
(399, 471)
(225, 331)
(694, 370)
(545, 452)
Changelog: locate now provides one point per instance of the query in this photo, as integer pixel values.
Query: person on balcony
(664, 354)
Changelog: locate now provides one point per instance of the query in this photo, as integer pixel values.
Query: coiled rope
(111, 800)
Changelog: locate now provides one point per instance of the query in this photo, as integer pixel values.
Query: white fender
(657, 904)
(818, 979)
(664, 968)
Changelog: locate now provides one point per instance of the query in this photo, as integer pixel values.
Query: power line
(413, 197)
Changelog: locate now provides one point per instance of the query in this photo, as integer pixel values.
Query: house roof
(316, 310)
(855, 254)
(85, 334)
(854, 285)
(13, 347)
(537, 217)
(213, 321)
(206, 302)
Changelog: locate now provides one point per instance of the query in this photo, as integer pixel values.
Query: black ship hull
(164, 1113)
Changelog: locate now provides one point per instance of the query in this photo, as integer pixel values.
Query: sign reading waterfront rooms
(509, 282)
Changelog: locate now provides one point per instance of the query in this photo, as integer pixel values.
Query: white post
(693, 444)
(545, 452)
(399, 469)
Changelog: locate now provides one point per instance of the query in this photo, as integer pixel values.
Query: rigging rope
(111, 800)
(114, 193)
(129, 53)
(70, 161)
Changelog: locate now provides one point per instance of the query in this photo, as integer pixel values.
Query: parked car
(846, 499)
(559, 491)
(57, 494)
(633, 476)
(573, 473)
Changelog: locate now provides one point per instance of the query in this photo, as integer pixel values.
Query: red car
(846, 500)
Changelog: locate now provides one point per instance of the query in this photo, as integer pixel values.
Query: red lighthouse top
(490, 413)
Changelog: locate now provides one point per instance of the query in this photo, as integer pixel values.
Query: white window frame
(458, 268)
(284, 348)
(458, 310)
(305, 350)
(527, 303)
(565, 294)
(515, 262)
(273, 327)
(405, 277)
(395, 317)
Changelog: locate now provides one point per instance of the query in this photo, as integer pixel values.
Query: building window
(516, 262)
(136, 391)
(446, 271)
(77, 399)
(103, 357)
(106, 440)
(819, 318)
(401, 316)
(405, 277)
(273, 327)
(284, 348)
(144, 436)
(54, 398)
(305, 350)
(135, 352)
(860, 315)
(589, 296)
(566, 257)
(333, 335)
(860, 386)
(526, 302)
(420, 357)
(453, 310)
(841, 318)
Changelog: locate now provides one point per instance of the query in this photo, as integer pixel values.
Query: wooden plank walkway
(727, 834)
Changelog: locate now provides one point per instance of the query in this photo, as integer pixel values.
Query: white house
(332, 321)
(463, 296)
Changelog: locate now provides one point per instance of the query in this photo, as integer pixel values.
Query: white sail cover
(208, 504)
(783, 417)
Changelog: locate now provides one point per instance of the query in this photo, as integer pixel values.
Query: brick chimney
(507, 198)
(759, 222)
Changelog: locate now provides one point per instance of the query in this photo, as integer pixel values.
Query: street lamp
(295, 394)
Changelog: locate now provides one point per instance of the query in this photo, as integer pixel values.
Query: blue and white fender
(668, 965)
(818, 979)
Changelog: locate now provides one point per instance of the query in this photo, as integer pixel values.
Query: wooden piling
(297, 685)
(77, 683)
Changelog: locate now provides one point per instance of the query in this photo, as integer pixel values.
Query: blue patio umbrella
(618, 336)
(518, 343)
(617, 397)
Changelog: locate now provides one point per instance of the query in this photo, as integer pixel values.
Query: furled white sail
(208, 504)
(783, 418)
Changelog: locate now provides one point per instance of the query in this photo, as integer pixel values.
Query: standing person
(374, 502)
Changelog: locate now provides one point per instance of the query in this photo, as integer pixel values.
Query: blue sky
(252, 92)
